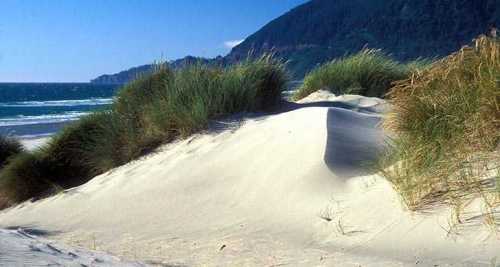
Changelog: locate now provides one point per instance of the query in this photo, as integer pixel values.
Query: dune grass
(8, 148)
(152, 110)
(446, 122)
(369, 72)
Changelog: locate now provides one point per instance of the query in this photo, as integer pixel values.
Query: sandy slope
(18, 248)
(288, 189)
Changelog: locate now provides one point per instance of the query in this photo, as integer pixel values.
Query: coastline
(33, 136)
(30, 131)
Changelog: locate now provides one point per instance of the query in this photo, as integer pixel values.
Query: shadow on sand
(354, 142)
(33, 231)
(354, 137)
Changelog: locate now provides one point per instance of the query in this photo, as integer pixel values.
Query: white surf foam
(41, 119)
(60, 103)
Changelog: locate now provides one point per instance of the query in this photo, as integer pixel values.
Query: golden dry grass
(446, 126)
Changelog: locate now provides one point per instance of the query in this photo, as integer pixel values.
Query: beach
(250, 133)
(287, 189)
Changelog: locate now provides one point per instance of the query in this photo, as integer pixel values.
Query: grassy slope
(8, 147)
(148, 112)
(368, 72)
(447, 125)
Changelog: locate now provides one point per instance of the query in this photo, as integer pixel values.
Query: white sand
(18, 248)
(34, 143)
(255, 196)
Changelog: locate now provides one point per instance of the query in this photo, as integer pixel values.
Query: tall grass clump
(369, 72)
(8, 148)
(446, 126)
(154, 109)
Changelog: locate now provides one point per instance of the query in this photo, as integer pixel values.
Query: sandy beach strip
(32, 143)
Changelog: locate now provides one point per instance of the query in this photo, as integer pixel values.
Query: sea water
(31, 110)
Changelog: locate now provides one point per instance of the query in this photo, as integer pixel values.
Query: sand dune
(294, 189)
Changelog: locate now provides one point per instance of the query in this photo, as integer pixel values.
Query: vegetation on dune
(150, 111)
(446, 122)
(8, 148)
(369, 72)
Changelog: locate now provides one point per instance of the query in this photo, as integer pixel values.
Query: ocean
(32, 110)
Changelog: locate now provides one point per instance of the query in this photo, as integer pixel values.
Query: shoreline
(29, 131)
(33, 136)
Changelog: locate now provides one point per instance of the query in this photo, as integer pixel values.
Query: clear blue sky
(76, 40)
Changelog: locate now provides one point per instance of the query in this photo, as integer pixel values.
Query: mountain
(131, 74)
(321, 30)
